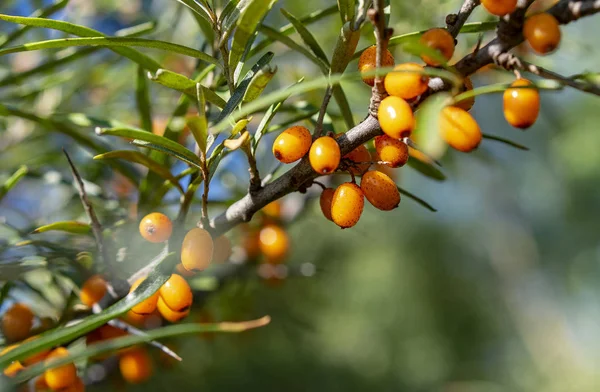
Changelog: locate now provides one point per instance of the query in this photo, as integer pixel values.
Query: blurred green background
(497, 291)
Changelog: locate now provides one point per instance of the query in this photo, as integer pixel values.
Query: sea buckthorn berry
(37, 357)
(251, 243)
(292, 144)
(136, 366)
(361, 157)
(176, 293)
(380, 190)
(459, 129)
(222, 251)
(367, 62)
(17, 322)
(40, 384)
(499, 7)
(77, 386)
(324, 155)
(466, 104)
(180, 269)
(93, 290)
(392, 151)
(347, 205)
(273, 209)
(197, 249)
(325, 202)
(148, 305)
(406, 84)
(542, 32)
(156, 227)
(521, 105)
(61, 376)
(14, 368)
(169, 314)
(274, 243)
(396, 117)
(440, 40)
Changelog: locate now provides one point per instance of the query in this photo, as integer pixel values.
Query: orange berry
(251, 243)
(17, 322)
(396, 117)
(40, 383)
(273, 209)
(325, 202)
(169, 314)
(77, 386)
(380, 190)
(367, 62)
(222, 251)
(176, 293)
(14, 368)
(148, 305)
(274, 243)
(292, 144)
(521, 105)
(499, 7)
(440, 40)
(347, 205)
(392, 151)
(459, 129)
(358, 155)
(61, 376)
(542, 32)
(406, 84)
(156, 227)
(93, 290)
(136, 366)
(324, 155)
(466, 104)
(37, 357)
(197, 250)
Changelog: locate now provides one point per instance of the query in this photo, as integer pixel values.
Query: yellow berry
(324, 155)
(459, 129)
(93, 290)
(407, 82)
(466, 104)
(197, 250)
(542, 32)
(156, 227)
(396, 117)
(359, 156)
(222, 249)
(136, 366)
(61, 376)
(148, 305)
(380, 190)
(17, 322)
(499, 7)
(392, 151)
(325, 202)
(176, 294)
(169, 314)
(367, 62)
(274, 243)
(347, 205)
(521, 105)
(292, 144)
(440, 40)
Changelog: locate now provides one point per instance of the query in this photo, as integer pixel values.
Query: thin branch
(255, 181)
(455, 22)
(585, 87)
(417, 199)
(382, 36)
(95, 223)
(319, 126)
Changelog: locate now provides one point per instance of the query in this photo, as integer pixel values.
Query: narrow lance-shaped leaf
(427, 118)
(144, 160)
(198, 124)
(417, 199)
(62, 335)
(425, 168)
(230, 16)
(259, 82)
(508, 142)
(72, 227)
(12, 181)
(184, 84)
(151, 140)
(306, 36)
(347, 10)
(245, 30)
(40, 13)
(199, 9)
(142, 96)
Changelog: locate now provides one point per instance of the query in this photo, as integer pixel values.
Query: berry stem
(455, 23)
(319, 126)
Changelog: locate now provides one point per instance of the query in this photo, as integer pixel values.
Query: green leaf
(306, 36)
(417, 199)
(427, 119)
(238, 94)
(243, 37)
(185, 85)
(115, 344)
(344, 48)
(259, 82)
(426, 168)
(505, 141)
(144, 160)
(230, 16)
(199, 9)
(199, 129)
(65, 334)
(110, 42)
(342, 101)
(347, 10)
(142, 96)
(14, 270)
(12, 181)
(501, 87)
(289, 28)
(150, 140)
(72, 227)
(40, 13)
(63, 59)
(478, 27)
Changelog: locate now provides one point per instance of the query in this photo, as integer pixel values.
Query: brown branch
(382, 36)
(319, 126)
(455, 22)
